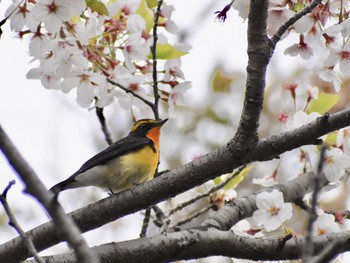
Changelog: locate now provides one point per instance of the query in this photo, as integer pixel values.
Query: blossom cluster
(323, 42)
(102, 49)
(325, 30)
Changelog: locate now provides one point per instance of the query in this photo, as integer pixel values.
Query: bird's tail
(62, 186)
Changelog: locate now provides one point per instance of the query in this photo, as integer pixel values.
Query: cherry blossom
(21, 17)
(341, 56)
(127, 7)
(272, 211)
(329, 75)
(49, 79)
(343, 140)
(54, 12)
(176, 97)
(173, 69)
(335, 164)
(88, 85)
(325, 224)
(302, 49)
(277, 16)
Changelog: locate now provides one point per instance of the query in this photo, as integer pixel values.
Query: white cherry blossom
(335, 164)
(325, 224)
(54, 12)
(272, 210)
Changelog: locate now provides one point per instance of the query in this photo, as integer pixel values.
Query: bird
(125, 163)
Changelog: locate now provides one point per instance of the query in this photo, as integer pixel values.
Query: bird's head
(147, 127)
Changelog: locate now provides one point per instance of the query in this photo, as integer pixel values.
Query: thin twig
(145, 222)
(193, 216)
(212, 190)
(13, 222)
(102, 119)
(161, 220)
(284, 27)
(308, 248)
(131, 92)
(327, 254)
(154, 58)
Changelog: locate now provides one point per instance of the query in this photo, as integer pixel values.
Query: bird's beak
(161, 122)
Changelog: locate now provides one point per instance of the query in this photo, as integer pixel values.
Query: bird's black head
(143, 126)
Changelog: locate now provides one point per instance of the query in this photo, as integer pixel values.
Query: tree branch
(308, 249)
(13, 222)
(197, 243)
(246, 136)
(154, 59)
(277, 36)
(67, 227)
(102, 119)
(177, 181)
(150, 104)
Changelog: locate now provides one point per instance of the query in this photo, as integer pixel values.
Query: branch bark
(258, 57)
(177, 181)
(67, 228)
(197, 243)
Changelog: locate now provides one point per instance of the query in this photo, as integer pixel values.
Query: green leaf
(97, 6)
(323, 103)
(299, 6)
(232, 184)
(152, 3)
(167, 51)
(143, 11)
(217, 180)
(221, 82)
(331, 138)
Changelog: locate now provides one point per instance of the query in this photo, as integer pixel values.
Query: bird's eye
(142, 126)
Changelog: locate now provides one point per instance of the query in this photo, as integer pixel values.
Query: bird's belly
(131, 169)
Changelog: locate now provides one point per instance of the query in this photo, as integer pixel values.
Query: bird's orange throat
(154, 134)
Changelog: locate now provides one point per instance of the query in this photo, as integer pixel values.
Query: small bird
(124, 164)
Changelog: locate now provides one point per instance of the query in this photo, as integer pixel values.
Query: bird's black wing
(116, 149)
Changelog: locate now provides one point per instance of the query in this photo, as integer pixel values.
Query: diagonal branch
(35, 187)
(150, 104)
(198, 243)
(13, 222)
(277, 36)
(102, 119)
(177, 181)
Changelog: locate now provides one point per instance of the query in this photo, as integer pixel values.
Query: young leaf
(232, 184)
(144, 12)
(167, 51)
(217, 180)
(331, 138)
(221, 82)
(323, 103)
(152, 3)
(97, 6)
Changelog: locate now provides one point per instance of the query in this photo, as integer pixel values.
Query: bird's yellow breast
(133, 168)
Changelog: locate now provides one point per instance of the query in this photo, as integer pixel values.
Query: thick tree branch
(196, 243)
(177, 181)
(244, 207)
(246, 136)
(67, 228)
